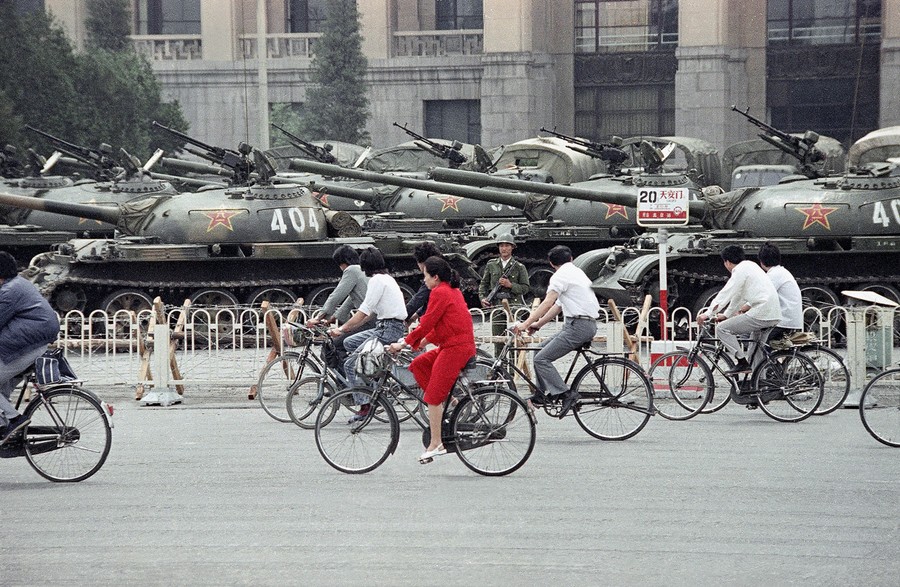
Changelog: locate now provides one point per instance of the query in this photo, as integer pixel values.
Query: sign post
(662, 207)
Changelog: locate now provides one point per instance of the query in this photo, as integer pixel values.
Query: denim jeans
(387, 331)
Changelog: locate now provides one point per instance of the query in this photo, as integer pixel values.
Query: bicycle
(70, 433)
(879, 407)
(616, 402)
(786, 384)
(488, 426)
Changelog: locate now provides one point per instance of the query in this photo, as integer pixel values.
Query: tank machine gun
(801, 148)
(451, 153)
(236, 162)
(315, 152)
(99, 160)
(609, 152)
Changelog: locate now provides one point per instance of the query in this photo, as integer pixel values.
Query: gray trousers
(728, 330)
(7, 372)
(575, 332)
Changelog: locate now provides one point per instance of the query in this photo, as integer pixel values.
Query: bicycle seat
(586, 346)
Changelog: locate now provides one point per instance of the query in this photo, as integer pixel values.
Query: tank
(835, 233)
(221, 246)
(693, 157)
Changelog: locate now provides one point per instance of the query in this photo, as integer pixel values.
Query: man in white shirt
(789, 297)
(569, 292)
(752, 294)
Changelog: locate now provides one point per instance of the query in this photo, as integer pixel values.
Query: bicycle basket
(370, 358)
(52, 367)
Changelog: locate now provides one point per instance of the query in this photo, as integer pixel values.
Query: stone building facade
(495, 71)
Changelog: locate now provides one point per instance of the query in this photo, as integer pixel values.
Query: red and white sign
(661, 206)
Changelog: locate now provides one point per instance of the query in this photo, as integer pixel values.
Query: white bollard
(163, 393)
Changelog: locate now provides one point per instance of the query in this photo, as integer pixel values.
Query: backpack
(370, 358)
(52, 367)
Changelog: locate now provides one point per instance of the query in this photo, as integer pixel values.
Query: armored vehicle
(695, 158)
(222, 246)
(835, 233)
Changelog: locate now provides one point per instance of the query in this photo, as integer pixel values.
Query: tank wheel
(276, 296)
(316, 298)
(539, 278)
(128, 300)
(68, 298)
(891, 293)
(823, 299)
(704, 300)
(210, 323)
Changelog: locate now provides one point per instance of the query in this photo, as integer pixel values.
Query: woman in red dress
(447, 324)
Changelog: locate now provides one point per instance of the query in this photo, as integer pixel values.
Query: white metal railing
(280, 45)
(168, 47)
(438, 43)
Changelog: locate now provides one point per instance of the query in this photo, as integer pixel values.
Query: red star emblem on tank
(817, 214)
(220, 218)
(616, 210)
(450, 202)
(321, 197)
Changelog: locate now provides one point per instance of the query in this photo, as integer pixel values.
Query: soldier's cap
(505, 238)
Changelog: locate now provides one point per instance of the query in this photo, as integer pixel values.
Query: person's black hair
(345, 254)
(440, 268)
(733, 253)
(559, 255)
(769, 255)
(8, 266)
(371, 261)
(424, 250)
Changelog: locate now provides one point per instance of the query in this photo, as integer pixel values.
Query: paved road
(214, 492)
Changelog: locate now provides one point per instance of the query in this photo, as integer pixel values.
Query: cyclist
(27, 325)
(348, 294)
(789, 297)
(747, 304)
(507, 278)
(418, 303)
(384, 301)
(448, 325)
(569, 292)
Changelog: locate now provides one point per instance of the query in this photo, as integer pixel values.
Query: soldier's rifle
(236, 161)
(98, 160)
(504, 274)
(801, 148)
(320, 154)
(451, 153)
(608, 152)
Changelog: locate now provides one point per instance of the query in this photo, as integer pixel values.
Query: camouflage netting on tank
(720, 206)
(877, 146)
(135, 212)
(760, 152)
(551, 155)
(342, 224)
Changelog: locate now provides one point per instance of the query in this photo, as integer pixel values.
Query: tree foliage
(108, 24)
(337, 107)
(84, 98)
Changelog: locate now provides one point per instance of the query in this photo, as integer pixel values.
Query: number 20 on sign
(662, 207)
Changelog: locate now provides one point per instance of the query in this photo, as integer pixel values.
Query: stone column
(889, 110)
(71, 14)
(721, 61)
(375, 21)
(219, 30)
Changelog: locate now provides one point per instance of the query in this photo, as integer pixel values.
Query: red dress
(448, 324)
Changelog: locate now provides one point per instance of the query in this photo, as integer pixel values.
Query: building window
(454, 120)
(304, 16)
(601, 112)
(168, 17)
(458, 14)
(625, 25)
(814, 22)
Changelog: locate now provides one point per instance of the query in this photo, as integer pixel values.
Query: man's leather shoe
(741, 367)
(568, 402)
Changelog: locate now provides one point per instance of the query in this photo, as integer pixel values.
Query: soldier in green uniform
(512, 278)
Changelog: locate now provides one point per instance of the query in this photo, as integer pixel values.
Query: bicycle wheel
(350, 442)
(276, 380)
(722, 384)
(493, 432)
(879, 407)
(616, 401)
(69, 436)
(788, 386)
(835, 378)
(305, 396)
(681, 386)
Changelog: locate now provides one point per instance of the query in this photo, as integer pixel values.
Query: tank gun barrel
(191, 181)
(364, 195)
(195, 167)
(517, 200)
(102, 213)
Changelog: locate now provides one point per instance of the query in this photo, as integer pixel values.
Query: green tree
(108, 24)
(337, 107)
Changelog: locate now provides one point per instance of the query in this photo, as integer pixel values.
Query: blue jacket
(27, 321)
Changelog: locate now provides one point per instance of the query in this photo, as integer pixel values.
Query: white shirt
(788, 297)
(576, 298)
(748, 285)
(383, 298)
